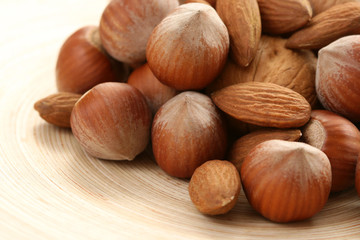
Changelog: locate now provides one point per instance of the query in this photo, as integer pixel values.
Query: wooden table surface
(51, 189)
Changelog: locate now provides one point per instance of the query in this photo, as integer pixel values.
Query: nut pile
(257, 95)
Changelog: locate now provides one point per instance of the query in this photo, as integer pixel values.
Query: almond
(244, 144)
(319, 6)
(214, 187)
(56, 108)
(336, 22)
(242, 18)
(263, 104)
(274, 63)
(279, 16)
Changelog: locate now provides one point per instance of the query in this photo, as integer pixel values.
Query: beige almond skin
(246, 143)
(214, 187)
(274, 63)
(56, 108)
(263, 104)
(319, 6)
(242, 18)
(279, 16)
(336, 22)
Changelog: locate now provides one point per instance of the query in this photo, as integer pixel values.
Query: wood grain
(51, 189)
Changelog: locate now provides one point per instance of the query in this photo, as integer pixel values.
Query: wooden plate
(51, 189)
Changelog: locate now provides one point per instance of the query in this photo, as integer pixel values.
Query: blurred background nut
(337, 77)
(284, 16)
(83, 63)
(155, 93)
(125, 27)
(319, 6)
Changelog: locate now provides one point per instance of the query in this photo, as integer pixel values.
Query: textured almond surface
(56, 108)
(319, 6)
(263, 104)
(246, 143)
(336, 22)
(214, 187)
(242, 18)
(286, 181)
(274, 63)
(189, 48)
(279, 16)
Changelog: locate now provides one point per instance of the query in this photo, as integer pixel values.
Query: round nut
(286, 181)
(189, 48)
(214, 187)
(112, 121)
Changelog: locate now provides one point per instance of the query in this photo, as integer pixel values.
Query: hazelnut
(286, 181)
(189, 47)
(187, 131)
(339, 139)
(337, 77)
(155, 93)
(126, 25)
(112, 121)
(83, 63)
(214, 187)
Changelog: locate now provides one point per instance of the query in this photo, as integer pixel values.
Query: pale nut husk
(336, 22)
(279, 16)
(242, 18)
(274, 63)
(189, 48)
